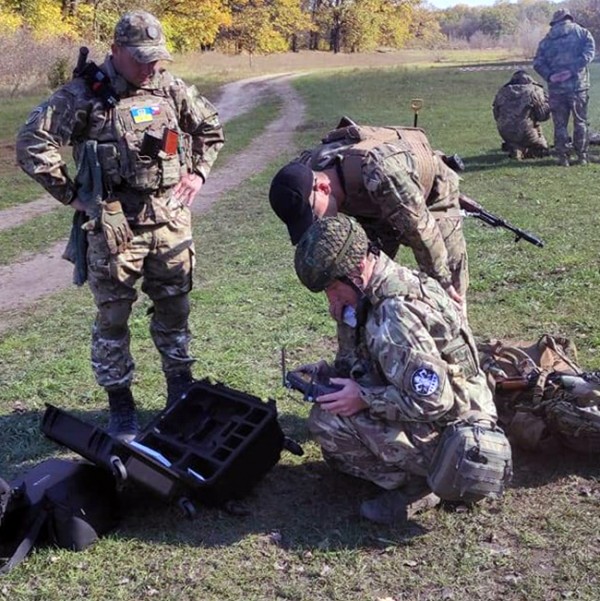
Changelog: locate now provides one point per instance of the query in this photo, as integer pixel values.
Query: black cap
(289, 195)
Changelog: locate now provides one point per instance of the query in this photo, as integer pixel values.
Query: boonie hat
(142, 34)
(560, 15)
(289, 197)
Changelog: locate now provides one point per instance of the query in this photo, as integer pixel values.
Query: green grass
(537, 543)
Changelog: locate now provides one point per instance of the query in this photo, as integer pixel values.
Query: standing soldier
(144, 143)
(562, 59)
(519, 107)
(393, 183)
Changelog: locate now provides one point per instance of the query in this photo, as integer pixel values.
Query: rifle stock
(473, 208)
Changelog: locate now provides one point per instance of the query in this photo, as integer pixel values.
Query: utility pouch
(139, 163)
(473, 461)
(459, 352)
(108, 157)
(151, 145)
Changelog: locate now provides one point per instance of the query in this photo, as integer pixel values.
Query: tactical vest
(132, 150)
(354, 143)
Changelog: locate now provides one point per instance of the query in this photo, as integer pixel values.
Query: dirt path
(27, 281)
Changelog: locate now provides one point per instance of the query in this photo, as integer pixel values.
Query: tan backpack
(540, 390)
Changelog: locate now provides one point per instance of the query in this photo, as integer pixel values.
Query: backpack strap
(26, 544)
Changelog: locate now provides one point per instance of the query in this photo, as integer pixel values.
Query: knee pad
(112, 317)
(173, 311)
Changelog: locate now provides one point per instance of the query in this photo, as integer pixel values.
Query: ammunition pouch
(459, 352)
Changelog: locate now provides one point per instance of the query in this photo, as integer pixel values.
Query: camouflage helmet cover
(142, 34)
(332, 248)
(560, 15)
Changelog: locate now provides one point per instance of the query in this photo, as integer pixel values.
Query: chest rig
(141, 146)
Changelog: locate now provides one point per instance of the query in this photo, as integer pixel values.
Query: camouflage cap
(331, 249)
(560, 15)
(142, 34)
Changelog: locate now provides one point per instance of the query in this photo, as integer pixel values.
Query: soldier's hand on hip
(77, 204)
(560, 76)
(187, 188)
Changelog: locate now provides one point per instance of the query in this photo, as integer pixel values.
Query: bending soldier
(154, 141)
(416, 370)
(519, 107)
(393, 183)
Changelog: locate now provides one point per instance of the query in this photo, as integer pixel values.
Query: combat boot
(178, 384)
(122, 423)
(583, 158)
(397, 506)
(563, 160)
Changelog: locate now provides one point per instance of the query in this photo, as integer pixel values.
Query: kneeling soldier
(416, 373)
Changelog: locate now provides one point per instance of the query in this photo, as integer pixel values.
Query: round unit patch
(425, 381)
(152, 32)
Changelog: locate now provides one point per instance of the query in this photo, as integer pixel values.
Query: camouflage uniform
(418, 370)
(401, 192)
(518, 108)
(567, 47)
(161, 253)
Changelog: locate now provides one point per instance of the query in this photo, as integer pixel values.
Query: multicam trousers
(162, 256)
(384, 453)
(561, 107)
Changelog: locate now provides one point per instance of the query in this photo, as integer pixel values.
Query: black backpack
(62, 502)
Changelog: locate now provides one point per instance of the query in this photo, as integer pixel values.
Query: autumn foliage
(253, 26)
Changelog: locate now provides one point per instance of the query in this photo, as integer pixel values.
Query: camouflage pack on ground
(540, 390)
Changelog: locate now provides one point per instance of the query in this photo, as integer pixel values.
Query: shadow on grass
(552, 462)
(300, 505)
(494, 159)
(297, 507)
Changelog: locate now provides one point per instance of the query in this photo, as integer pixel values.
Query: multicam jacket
(386, 184)
(518, 108)
(567, 46)
(419, 359)
(141, 179)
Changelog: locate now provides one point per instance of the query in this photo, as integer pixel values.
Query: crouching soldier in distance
(519, 107)
(416, 377)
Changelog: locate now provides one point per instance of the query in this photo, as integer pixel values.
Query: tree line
(267, 26)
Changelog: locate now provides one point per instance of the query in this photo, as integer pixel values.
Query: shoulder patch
(35, 113)
(424, 381)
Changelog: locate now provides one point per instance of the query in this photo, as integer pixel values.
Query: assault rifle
(96, 78)
(474, 209)
(308, 384)
(585, 386)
